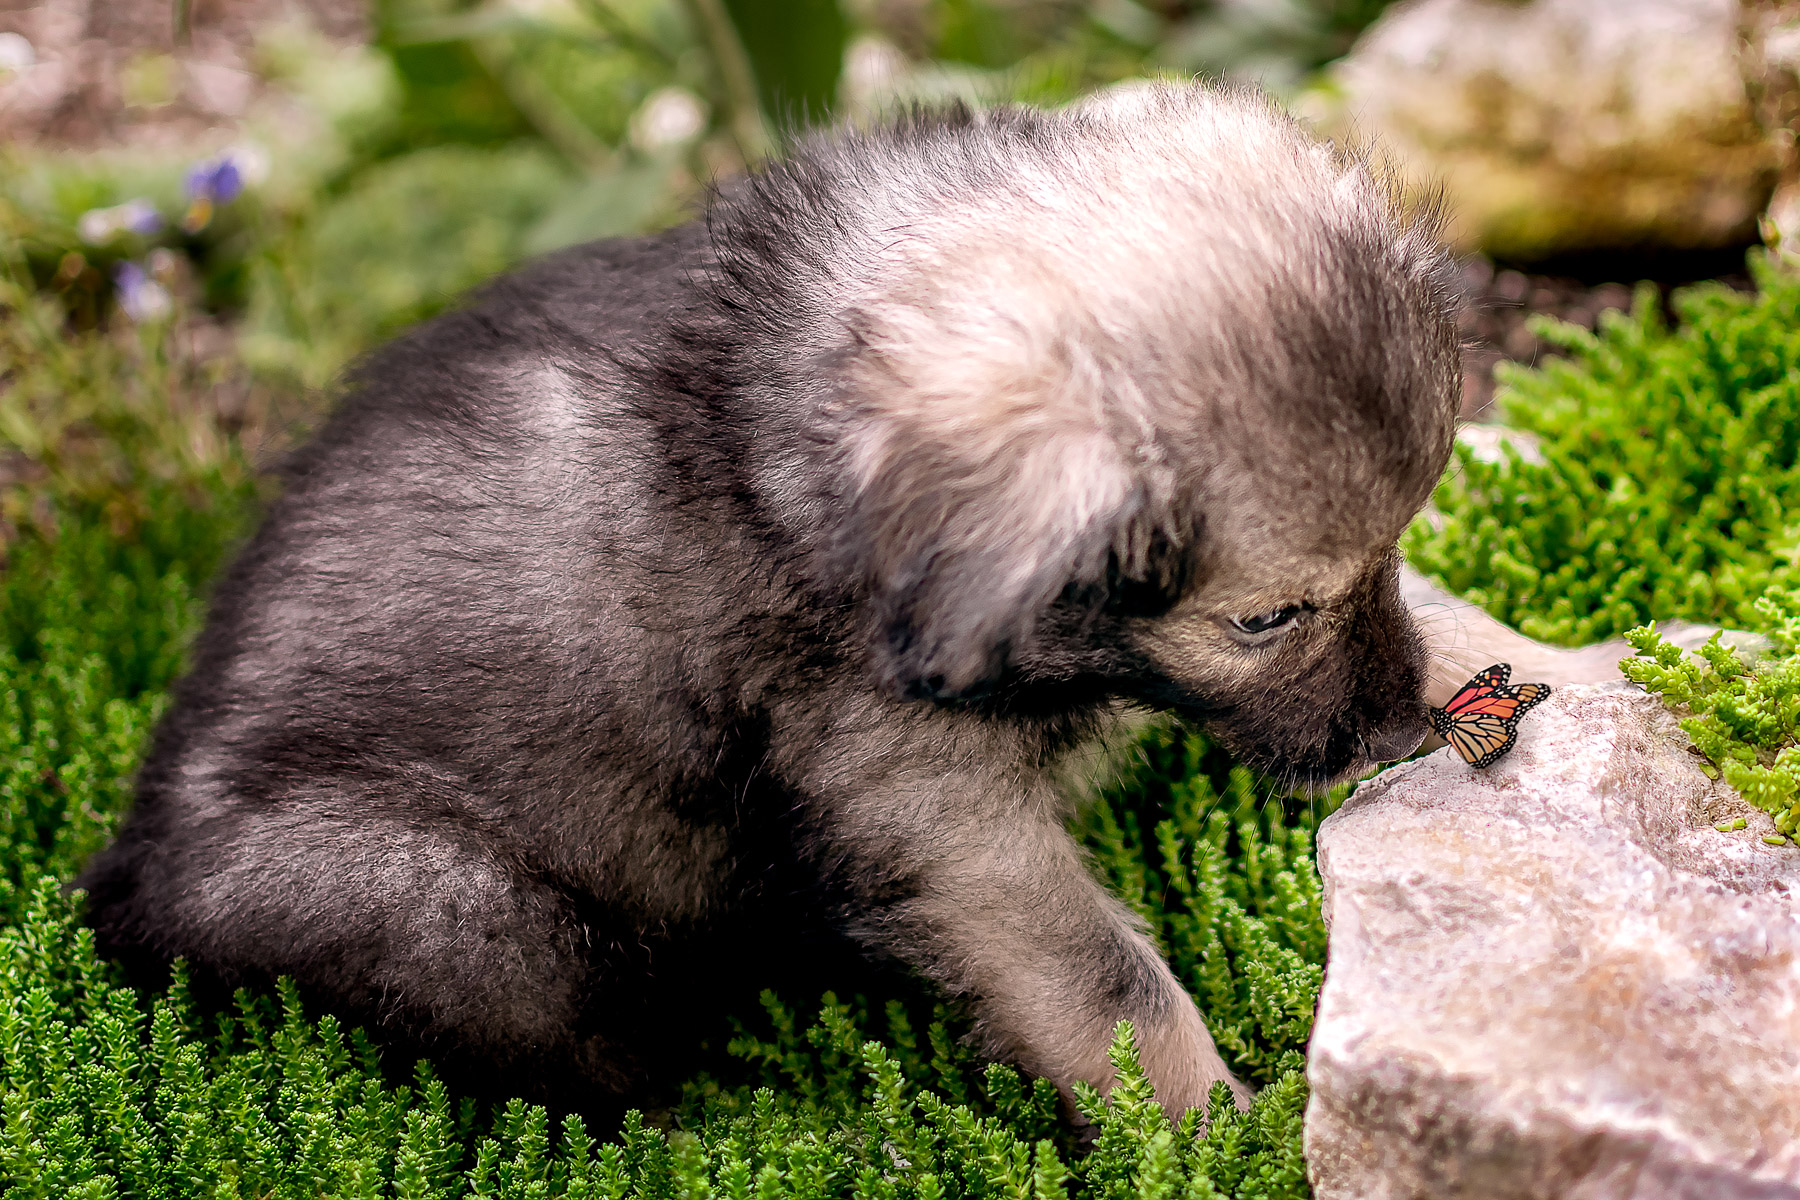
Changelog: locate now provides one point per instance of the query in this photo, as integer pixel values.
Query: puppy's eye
(1267, 621)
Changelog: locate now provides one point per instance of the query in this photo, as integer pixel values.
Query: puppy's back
(426, 621)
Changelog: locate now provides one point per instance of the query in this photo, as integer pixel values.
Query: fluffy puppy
(687, 595)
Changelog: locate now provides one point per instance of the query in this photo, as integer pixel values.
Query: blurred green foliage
(796, 51)
(404, 238)
(472, 133)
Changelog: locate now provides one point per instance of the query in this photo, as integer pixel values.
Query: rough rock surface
(1565, 125)
(1555, 978)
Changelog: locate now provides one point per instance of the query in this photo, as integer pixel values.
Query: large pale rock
(1563, 125)
(1555, 978)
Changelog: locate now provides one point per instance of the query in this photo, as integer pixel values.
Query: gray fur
(686, 603)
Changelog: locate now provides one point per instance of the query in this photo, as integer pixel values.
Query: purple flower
(99, 226)
(141, 297)
(140, 216)
(218, 180)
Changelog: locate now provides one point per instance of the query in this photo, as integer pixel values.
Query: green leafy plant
(1280, 42)
(1670, 467)
(1220, 867)
(1745, 720)
(109, 1093)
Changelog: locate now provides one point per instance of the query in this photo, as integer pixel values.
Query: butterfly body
(1481, 721)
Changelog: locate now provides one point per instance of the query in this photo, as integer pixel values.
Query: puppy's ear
(963, 553)
(992, 460)
(983, 483)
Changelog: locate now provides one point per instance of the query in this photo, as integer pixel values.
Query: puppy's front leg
(993, 901)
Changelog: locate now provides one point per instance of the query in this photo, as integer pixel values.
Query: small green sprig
(1745, 721)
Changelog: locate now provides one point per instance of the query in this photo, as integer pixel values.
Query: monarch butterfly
(1481, 721)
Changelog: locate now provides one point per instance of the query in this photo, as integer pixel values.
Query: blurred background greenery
(368, 173)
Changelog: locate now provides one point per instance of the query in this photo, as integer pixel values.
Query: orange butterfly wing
(1496, 705)
(1479, 688)
(1481, 721)
(1481, 740)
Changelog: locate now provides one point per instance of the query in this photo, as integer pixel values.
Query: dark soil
(1499, 302)
(139, 73)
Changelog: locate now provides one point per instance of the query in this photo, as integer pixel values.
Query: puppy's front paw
(1182, 1062)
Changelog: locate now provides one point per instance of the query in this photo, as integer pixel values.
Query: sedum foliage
(1222, 872)
(1744, 720)
(110, 1093)
(1671, 460)
(106, 1091)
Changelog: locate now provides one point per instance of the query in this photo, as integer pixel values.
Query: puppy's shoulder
(474, 380)
(615, 293)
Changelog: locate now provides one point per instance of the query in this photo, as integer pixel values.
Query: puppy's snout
(1399, 739)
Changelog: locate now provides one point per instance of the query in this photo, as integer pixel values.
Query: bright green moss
(1669, 470)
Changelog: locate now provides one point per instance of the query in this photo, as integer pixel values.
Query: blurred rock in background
(1560, 126)
(1771, 66)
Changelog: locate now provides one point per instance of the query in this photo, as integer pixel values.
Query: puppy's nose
(1397, 740)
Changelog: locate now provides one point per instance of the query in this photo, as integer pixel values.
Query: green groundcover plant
(1669, 474)
(1745, 720)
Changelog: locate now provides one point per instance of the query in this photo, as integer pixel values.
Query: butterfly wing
(1481, 721)
(1505, 703)
(1483, 738)
(1479, 688)
(1529, 696)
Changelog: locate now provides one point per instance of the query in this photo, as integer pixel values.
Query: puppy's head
(1136, 399)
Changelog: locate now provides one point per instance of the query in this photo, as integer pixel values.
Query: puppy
(685, 596)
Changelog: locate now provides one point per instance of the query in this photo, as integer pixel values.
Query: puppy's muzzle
(1398, 740)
